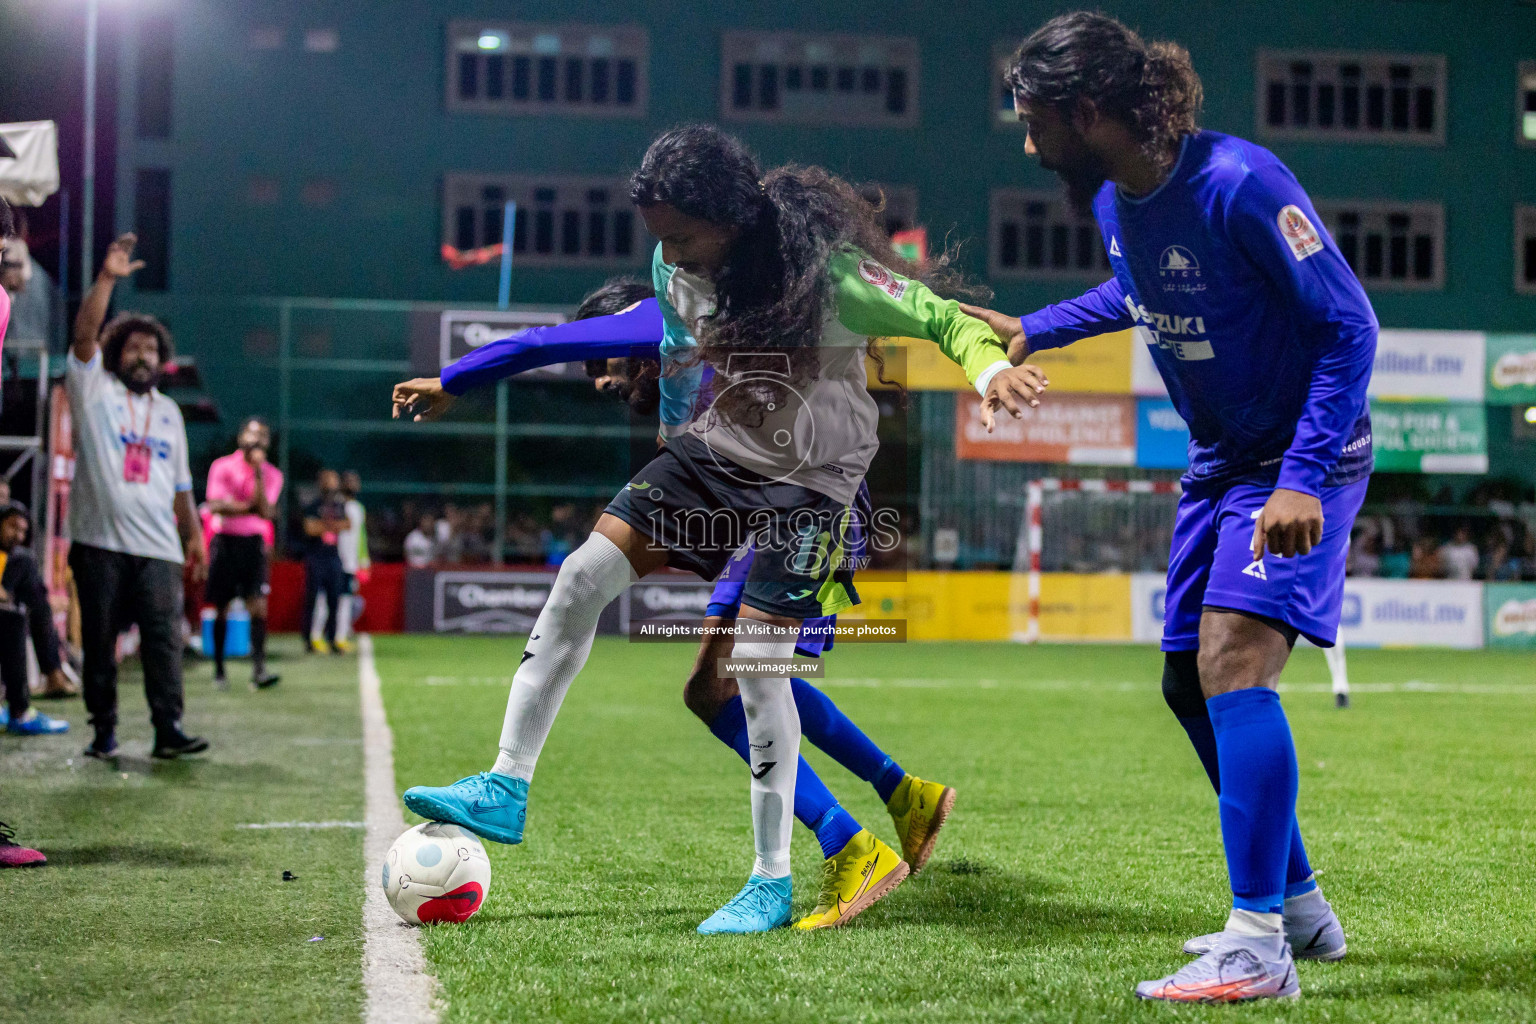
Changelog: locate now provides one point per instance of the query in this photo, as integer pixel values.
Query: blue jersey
(636, 332)
(1255, 321)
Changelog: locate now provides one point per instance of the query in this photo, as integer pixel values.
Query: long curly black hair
(772, 294)
(1149, 86)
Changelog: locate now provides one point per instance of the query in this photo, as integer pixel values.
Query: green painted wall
(371, 118)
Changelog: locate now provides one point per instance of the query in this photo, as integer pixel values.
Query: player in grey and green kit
(774, 285)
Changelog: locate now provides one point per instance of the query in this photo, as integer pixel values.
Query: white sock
(1335, 657)
(773, 732)
(1252, 922)
(594, 574)
(344, 617)
(1309, 900)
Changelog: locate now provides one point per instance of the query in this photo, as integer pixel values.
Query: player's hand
(1012, 389)
(197, 560)
(422, 399)
(1009, 330)
(257, 457)
(120, 262)
(1290, 523)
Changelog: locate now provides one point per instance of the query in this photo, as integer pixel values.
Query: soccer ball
(436, 872)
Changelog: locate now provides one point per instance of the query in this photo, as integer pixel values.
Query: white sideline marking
(303, 824)
(397, 988)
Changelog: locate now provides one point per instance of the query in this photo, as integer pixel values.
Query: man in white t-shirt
(1458, 556)
(132, 520)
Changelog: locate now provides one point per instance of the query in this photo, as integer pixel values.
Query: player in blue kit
(1266, 342)
(617, 331)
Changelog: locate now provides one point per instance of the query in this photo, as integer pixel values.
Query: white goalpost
(1032, 536)
(1098, 526)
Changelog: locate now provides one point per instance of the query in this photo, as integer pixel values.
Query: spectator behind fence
(1458, 556)
(24, 607)
(131, 517)
(421, 543)
(1424, 564)
(325, 519)
(352, 546)
(243, 489)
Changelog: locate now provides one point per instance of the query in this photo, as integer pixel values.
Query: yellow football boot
(919, 810)
(859, 874)
(343, 647)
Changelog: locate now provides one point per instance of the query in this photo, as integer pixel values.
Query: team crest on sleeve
(882, 278)
(1299, 233)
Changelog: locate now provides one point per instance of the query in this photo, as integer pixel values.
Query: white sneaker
(1311, 928)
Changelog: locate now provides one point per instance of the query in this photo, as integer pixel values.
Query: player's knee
(1181, 684)
(257, 606)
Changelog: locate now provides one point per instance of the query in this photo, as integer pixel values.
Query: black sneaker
(174, 743)
(103, 748)
(220, 682)
(265, 680)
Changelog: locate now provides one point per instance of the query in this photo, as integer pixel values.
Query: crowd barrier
(988, 606)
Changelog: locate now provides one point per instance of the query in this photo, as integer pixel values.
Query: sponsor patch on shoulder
(1299, 233)
(882, 278)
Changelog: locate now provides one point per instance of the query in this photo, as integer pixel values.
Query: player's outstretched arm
(873, 301)
(636, 331)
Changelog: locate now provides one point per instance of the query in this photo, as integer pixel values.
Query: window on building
(1037, 235)
(1525, 250)
(1003, 114)
(1356, 97)
(1390, 246)
(152, 223)
(1527, 101)
(560, 221)
(154, 68)
(900, 212)
(518, 68)
(819, 79)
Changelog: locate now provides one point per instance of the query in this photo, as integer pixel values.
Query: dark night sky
(42, 78)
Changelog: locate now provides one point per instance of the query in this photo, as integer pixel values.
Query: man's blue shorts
(1210, 564)
(815, 634)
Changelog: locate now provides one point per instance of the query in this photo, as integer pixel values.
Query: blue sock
(834, 734)
(1298, 872)
(815, 806)
(1258, 794)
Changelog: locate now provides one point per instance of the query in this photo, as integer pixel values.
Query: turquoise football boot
(36, 724)
(491, 806)
(761, 906)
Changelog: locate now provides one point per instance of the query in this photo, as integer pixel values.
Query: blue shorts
(1211, 564)
(725, 603)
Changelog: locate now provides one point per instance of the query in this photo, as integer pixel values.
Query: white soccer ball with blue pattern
(436, 872)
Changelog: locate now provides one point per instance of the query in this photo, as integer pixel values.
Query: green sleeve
(874, 301)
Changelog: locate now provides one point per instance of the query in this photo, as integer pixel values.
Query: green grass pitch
(1084, 847)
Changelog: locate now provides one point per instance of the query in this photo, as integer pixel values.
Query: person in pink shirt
(12, 853)
(243, 488)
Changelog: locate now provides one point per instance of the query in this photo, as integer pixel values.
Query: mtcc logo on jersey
(1179, 270)
(1178, 260)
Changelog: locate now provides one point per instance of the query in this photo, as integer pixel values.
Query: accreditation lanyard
(137, 456)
